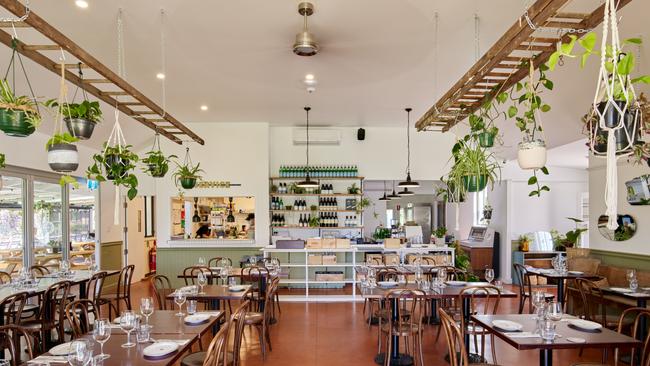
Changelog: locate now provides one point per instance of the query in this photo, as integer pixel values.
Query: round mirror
(625, 230)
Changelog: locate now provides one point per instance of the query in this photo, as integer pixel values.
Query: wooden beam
(42, 47)
(73, 66)
(556, 24)
(14, 25)
(97, 81)
(132, 103)
(71, 47)
(566, 15)
(144, 112)
(530, 47)
(114, 93)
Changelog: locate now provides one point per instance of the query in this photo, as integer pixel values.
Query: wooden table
(433, 294)
(604, 339)
(214, 294)
(641, 298)
(560, 278)
(167, 322)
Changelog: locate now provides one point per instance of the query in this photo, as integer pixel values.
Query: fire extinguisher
(152, 258)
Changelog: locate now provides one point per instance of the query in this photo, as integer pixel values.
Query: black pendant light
(393, 195)
(384, 197)
(408, 183)
(230, 217)
(307, 183)
(406, 192)
(196, 217)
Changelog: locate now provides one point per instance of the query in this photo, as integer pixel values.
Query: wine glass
(202, 280)
(128, 322)
(554, 311)
(489, 275)
(631, 274)
(538, 299)
(442, 275)
(200, 262)
(146, 308)
(80, 352)
(179, 299)
(101, 334)
(223, 274)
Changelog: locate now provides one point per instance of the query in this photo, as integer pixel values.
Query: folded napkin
(180, 342)
(522, 335)
(49, 359)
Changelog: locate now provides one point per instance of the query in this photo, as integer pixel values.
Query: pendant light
(384, 197)
(196, 217)
(405, 192)
(307, 183)
(408, 183)
(393, 195)
(230, 217)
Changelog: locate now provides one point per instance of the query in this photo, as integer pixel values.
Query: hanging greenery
(187, 174)
(482, 122)
(474, 166)
(116, 164)
(156, 163)
(2, 161)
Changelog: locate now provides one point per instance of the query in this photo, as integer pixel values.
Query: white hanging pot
(63, 158)
(532, 154)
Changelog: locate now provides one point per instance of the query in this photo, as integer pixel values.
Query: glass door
(12, 223)
(82, 225)
(49, 242)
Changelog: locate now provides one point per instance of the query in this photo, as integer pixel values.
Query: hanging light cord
(307, 109)
(408, 141)
(163, 62)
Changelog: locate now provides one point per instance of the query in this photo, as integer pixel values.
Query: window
(82, 224)
(12, 216)
(480, 198)
(48, 224)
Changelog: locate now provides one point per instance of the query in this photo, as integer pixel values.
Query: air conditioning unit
(317, 136)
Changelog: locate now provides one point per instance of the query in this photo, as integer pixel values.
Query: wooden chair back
(5, 278)
(593, 301)
(455, 342)
(124, 284)
(483, 300)
(410, 309)
(638, 314)
(95, 285)
(387, 274)
(522, 276)
(218, 261)
(78, 313)
(190, 274)
(237, 328)
(10, 336)
(13, 306)
(256, 276)
(161, 288)
(39, 271)
(216, 353)
(54, 302)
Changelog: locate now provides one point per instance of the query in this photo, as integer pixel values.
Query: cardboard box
(313, 244)
(376, 259)
(392, 243)
(329, 243)
(343, 243)
(391, 259)
(329, 276)
(329, 259)
(314, 259)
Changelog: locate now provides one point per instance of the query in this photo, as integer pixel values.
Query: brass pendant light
(384, 197)
(408, 183)
(307, 183)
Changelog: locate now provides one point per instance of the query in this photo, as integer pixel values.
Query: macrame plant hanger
(12, 67)
(605, 92)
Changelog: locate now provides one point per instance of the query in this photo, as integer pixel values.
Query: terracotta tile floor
(329, 334)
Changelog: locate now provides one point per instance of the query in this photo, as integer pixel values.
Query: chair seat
(194, 359)
(253, 318)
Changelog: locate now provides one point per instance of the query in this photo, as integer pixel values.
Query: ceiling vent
(317, 136)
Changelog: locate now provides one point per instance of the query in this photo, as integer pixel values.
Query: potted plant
(474, 167)
(187, 175)
(62, 155)
(381, 233)
(116, 164)
(2, 161)
(353, 189)
(18, 114)
(80, 118)
(156, 163)
(482, 124)
(524, 243)
(362, 204)
(440, 232)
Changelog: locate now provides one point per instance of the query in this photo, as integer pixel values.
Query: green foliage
(187, 171)
(60, 138)
(381, 233)
(362, 204)
(86, 110)
(535, 181)
(157, 164)
(353, 189)
(9, 100)
(66, 179)
(463, 262)
(2, 161)
(116, 164)
(571, 237)
(482, 121)
(314, 221)
(440, 231)
(472, 160)
(528, 103)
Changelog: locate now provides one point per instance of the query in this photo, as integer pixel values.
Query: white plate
(456, 283)
(507, 325)
(576, 340)
(62, 349)
(160, 349)
(585, 324)
(237, 288)
(197, 318)
(575, 272)
(478, 283)
(387, 284)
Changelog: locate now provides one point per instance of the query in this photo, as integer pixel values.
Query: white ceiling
(377, 57)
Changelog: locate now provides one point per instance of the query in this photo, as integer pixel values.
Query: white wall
(235, 152)
(382, 155)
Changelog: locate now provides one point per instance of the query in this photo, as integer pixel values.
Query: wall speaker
(361, 134)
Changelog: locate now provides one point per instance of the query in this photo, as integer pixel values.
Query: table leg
(643, 323)
(466, 316)
(396, 358)
(433, 317)
(546, 357)
(560, 292)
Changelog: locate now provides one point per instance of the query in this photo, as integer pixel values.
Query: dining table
(561, 277)
(165, 326)
(568, 336)
(214, 294)
(434, 294)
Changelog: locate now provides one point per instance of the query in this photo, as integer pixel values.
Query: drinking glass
(146, 308)
(548, 331)
(101, 334)
(142, 334)
(128, 322)
(179, 299)
(232, 282)
(631, 274)
(80, 352)
(442, 275)
(554, 311)
(634, 284)
(202, 280)
(425, 285)
(538, 299)
(191, 307)
(489, 275)
(225, 271)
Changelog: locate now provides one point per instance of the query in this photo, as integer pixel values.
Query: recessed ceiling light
(204, 107)
(309, 77)
(160, 75)
(81, 3)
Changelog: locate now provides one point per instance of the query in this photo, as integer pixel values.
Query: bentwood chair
(5, 278)
(595, 305)
(13, 306)
(10, 336)
(78, 313)
(161, 288)
(123, 293)
(483, 300)
(261, 321)
(51, 315)
(410, 308)
(39, 271)
(190, 274)
(94, 287)
(219, 261)
(455, 343)
(257, 277)
(524, 279)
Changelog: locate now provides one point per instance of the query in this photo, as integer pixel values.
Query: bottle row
(325, 220)
(331, 171)
(324, 204)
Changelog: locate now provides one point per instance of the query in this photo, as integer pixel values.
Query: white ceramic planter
(532, 154)
(63, 158)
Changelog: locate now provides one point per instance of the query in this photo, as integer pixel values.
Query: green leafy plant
(464, 263)
(440, 231)
(2, 161)
(353, 189)
(314, 221)
(187, 171)
(381, 233)
(60, 138)
(156, 163)
(572, 237)
(471, 161)
(482, 122)
(66, 179)
(116, 164)
(86, 110)
(10, 101)
(362, 204)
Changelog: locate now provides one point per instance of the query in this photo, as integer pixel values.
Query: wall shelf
(317, 178)
(318, 227)
(316, 194)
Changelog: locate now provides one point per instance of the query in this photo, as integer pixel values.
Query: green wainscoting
(111, 258)
(625, 260)
(171, 261)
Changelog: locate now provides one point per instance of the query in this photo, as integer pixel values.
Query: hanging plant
(474, 166)
(19, 115)
(482, 122)
(187, 174)
(156, 163)
(2, 161)
(526, 110)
